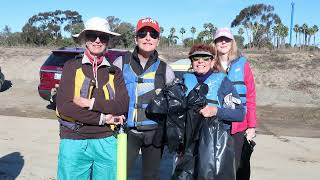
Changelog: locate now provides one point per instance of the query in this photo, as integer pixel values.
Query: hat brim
(223, 35)
(153, 27)
(81, 34)
(200, 53)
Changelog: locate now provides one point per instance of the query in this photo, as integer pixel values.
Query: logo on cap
(148, 22)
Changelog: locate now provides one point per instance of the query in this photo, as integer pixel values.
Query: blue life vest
(236, 76)
(140, 90)
(213, 81)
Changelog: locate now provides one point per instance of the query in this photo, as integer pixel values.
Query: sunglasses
(225, 39)
(143, 34)
(197, 58)
(92, 37)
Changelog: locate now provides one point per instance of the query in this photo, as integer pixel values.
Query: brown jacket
(90, 118)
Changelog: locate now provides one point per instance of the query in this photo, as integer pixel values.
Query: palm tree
(172, 37)
(193, 31)
(161, 30)
(182, 31)
(310, 32)
(305, 29)
(296, 30)
(283, 34)
(300, 32)
(212, 30)
(316, 29)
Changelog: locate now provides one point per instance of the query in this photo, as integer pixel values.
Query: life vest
(83, 87)
(141, 89)
(236, 76)
(213, 81)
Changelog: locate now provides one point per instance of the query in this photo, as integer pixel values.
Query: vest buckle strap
(212, 101)
(139, 80)
(238, 82)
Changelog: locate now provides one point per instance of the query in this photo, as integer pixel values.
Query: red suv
(51, 70)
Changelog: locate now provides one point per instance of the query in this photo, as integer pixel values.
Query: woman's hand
(209, 111)
(82, 102)
(115, 120)
(250, 133)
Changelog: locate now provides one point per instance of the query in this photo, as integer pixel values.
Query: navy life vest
(141, 89)
(213, 81)
(236, 76)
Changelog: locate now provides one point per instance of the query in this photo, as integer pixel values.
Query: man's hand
(115, 120)
(209, 111)
(82, 102)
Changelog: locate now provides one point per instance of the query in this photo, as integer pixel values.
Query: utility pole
(291, 24)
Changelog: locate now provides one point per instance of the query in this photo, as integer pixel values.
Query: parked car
(51, 70)
(180, 67)
(1, 79)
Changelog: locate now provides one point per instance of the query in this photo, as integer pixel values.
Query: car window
(59, 58)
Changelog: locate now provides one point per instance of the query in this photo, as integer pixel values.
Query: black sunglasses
(222, 38)
(143, 34)
(92, 37)
(197, 58)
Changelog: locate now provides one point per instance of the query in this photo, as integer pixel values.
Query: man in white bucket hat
(91, 99)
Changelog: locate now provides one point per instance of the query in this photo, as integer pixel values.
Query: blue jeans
(88, 159)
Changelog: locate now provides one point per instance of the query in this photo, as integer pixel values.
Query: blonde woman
(239, 72)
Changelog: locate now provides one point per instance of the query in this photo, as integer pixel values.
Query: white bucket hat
(96, 24)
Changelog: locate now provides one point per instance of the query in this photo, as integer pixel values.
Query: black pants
(151, 155)
(238, 144)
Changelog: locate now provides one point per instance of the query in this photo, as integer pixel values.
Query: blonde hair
(234, 52)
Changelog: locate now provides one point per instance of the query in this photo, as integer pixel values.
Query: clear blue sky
(169, 13)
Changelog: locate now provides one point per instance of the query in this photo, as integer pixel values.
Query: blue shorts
(88, 159)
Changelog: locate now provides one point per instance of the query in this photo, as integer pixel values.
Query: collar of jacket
(105, 62)
(153, 57)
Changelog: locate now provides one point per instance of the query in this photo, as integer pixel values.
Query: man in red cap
(145, 75)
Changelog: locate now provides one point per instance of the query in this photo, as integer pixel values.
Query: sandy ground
(28, 152)
(288, 110)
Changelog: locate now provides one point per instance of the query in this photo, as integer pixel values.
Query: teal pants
(87, 159)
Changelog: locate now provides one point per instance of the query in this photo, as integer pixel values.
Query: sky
(169, 13)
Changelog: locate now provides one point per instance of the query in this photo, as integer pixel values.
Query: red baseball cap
(144, 22)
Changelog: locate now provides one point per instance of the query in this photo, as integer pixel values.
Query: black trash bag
(171, 99)
(196, 100)
(215, 157)
(243, 172)
(176, 96)
(184, 169)
(175, 123)
(197, 96)
(175, 128)
(157, 108)
(168, 109)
